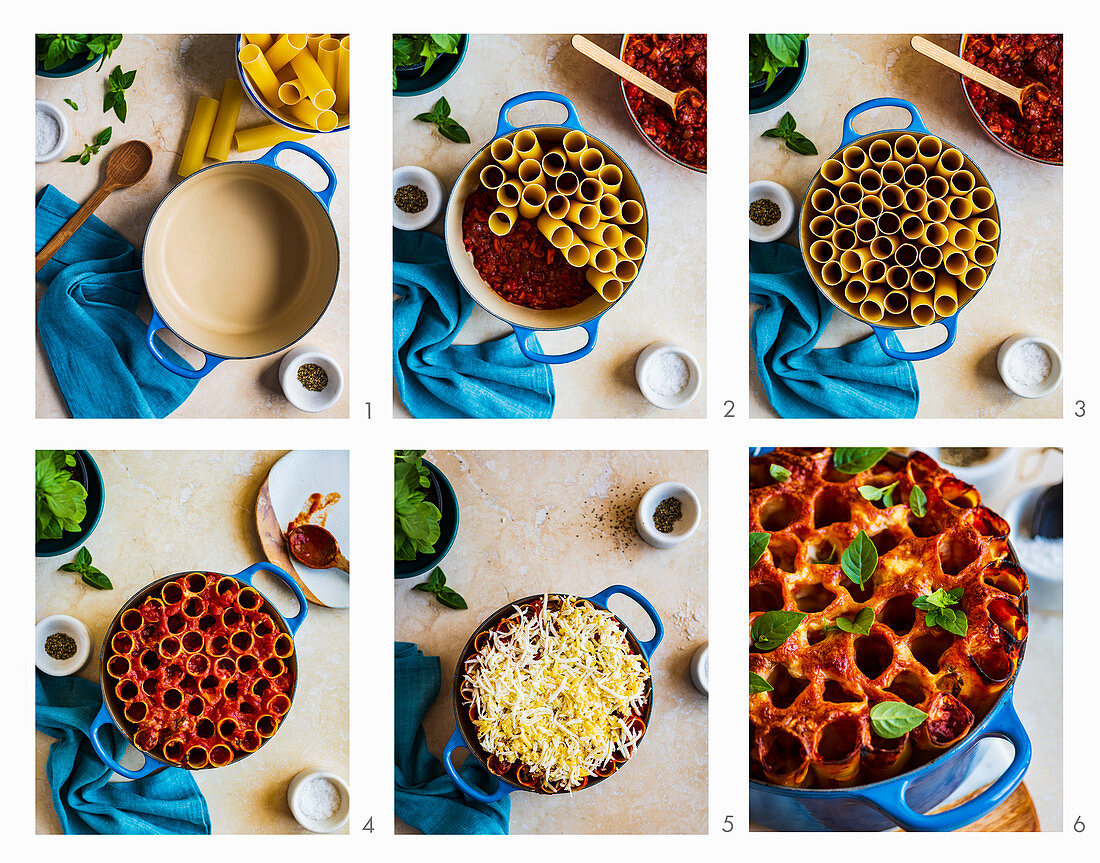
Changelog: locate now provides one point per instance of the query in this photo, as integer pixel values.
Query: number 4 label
(369, 826)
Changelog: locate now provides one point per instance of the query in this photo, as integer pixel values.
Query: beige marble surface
(534, 521)
(1024, 293)
(668, 301)
(172, 72)
(172, 512)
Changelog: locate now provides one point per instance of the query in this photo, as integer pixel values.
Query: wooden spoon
(314, 546)
(128, 164)
(969, 70)
(609, 61)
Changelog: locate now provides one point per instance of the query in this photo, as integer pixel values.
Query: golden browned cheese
(813, 729)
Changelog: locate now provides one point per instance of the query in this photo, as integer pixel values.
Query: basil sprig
(90, 149)
(772, 628)
(938, 611)
(448, 127)
(795, 141)
(90, 575)
(115, 97)
(917, 501)
(71, 104)
(437, 584)
(885, 495)
(892, 719)
(853, 459)
(758, 684)
(779, 472)
(859, 559)
(758, 544)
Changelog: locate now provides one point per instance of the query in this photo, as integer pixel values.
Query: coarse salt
(47, 132)
(1029, 365)
(319, 799)
(667, 374)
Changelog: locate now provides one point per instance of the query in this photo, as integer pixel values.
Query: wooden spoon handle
(341, 562)
(69, 228)
(951, 61)
(610, 61)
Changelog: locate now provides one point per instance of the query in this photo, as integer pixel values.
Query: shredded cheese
(558, 691)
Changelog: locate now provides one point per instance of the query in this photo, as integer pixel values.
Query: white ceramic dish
(426, 180)
(1044, 582)
(294, 794)
(685, 527)
(652, 354)
(986, 476)
(1044, 387)
(788, 210)
(292, 479)
(700, 669)
(298, 395)
(65, 135)
(67, 625)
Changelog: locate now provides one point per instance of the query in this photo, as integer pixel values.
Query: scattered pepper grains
(764, 212)
(312, 377)
(410, 199)
(60, 646)
(668, 512)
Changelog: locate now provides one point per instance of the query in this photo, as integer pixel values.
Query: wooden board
(1015, 815)
(273, 542)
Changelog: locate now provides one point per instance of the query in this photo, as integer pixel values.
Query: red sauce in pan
(522, 267)
(675, 61)
(1020, 59)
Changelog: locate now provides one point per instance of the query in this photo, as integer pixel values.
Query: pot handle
(104, 718)
(456, 742)
(916, 124)
(890, 798)
(658, 627)
(156, 323)
(303, 607)
(523, 334)
(325, 195)
(572, 121)
(950, 324)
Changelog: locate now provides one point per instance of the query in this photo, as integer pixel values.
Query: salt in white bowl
(650, 361)
(1012, 351)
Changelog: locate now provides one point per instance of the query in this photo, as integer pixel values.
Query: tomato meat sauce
(675, 61)
(1020, 59)
(522, 267)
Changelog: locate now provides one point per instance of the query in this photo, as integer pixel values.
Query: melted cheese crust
(557, 689)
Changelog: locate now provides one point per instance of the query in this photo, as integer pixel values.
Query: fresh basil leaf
(70, 567)
(801, 144)
(451, 599)
(859, 559)
(865, 619)
(83, 557)
(427, 588)
(72, 158)
(454, 132)
(427, 118)
(97, 580)
(758, 542)
(128, 79)
(442, 108)
(871, 492)
(103, 137)
(86, 157)
(772, 628)
(71, 104)
(785, 47)
(845, 625)
(758, 684)
(888, 497)
(773, 133)
(786, 122)
(955, 594)
(855, 459)
(892, 719)
(120, 107)
(779, 472)
(940, 599)
(437, 579)
(917, 501)
(953, 620)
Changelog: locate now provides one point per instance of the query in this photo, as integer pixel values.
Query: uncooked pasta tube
(553, 162)
(905, 255)
(959, 235)
(611, 178)
(822, 251)
(328, 58)
(591, 161)
(260, 73)
(501, 220)
(852, 260)
(823, 201)
(577, 254)
(872, 308)
(986, 230)
(836, 172)
(630, 214)
(575, 142)
(832, 274)
(530, 173)
(935, 210)
(527, 145)
(914, 177)
(974, 277)
(922, 280)
(556, 206)
(601, 257)
(606, 285)
(290, 92)
(930, 257)
(265, 136)
(631, 246)
(874, 272)
(880, 152)
(850, 193)
(846, 215)
(856, 290)
(313, 40)
(319, 90)
(950, 162)
(314, 117)
(870, 181)
(567, 183)
(981, 199)
(896, 302)
(287, 46)
(905, 149)
(935, 235)
(929, 148)
(866, 230)
(504, 152)
(892, 197)
(945, 296)
(955, 261)
(198, 136)
(585, 215)
(936, 187)
(897, 278)
(915, 200)
(556, 231)
(509, 192)
(854, 158)
(343, 77)
(221, 136)
(609, 206)
(531, 200)
(589, 190)
(263, 41)
(959, 207)
(844, 239)
(912, 227)
(892, 173)
(491, 177)
(822, 227)
(962, 182)
(889, 223)
(982, 254)
(605, 233)
(871, 206)
(921, 310)
(625, 270)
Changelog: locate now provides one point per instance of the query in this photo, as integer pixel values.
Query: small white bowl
(650, 355)
(62, 122)
(298, 395)
(294, 792)
(426, 180)
(1044, 387)
(700, 669)
(685, 527)
(67, 625)
(778, 195)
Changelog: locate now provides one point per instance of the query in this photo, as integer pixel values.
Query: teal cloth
(437, 378)
(856, 380)
(425, 797)
(166, 802)
(87, 321)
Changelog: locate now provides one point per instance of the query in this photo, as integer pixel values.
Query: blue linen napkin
(167, 802)
(93, 338)
(855, 380)
(438, 379)
(425, 797)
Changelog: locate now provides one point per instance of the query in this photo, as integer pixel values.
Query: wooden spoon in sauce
(128, 164)
(314, 546)
(1033, 93)
(689, 97)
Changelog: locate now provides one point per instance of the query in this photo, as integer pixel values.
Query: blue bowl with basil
(86, 472)
(411, 80)
(782, 88)
(443, 496)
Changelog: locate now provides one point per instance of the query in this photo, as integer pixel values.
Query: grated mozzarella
(556, 691)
